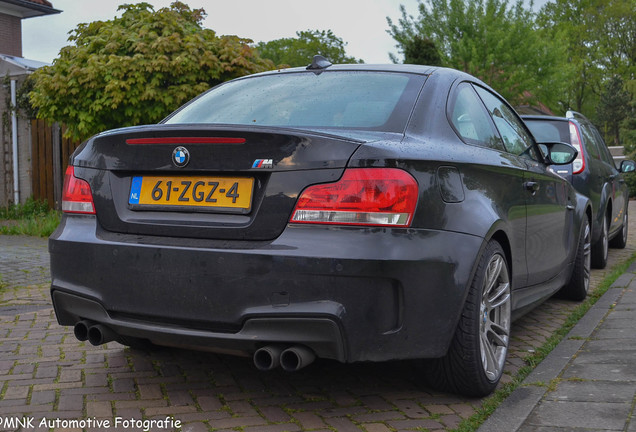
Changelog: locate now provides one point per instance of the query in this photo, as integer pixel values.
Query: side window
(516, 139)
(471, 121)
(605, 152)
(590, 142)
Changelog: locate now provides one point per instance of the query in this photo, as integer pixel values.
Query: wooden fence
(50, 153)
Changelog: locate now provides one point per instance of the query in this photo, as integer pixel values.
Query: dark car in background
(348, 212)
(594, 174)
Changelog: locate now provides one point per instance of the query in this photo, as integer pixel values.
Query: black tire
(600, 250)
(476, 357)
(579, 283)
(620, 241)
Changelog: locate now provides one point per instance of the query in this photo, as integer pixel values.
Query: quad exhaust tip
(266, 358)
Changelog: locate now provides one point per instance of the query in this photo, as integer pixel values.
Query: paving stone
(195, 427)
(169, 410)
(342, 424)
(177, 398)
(589, 356)
(274, 414)
(101, 410)
(241, 408)
(593, 391)
(18, 392)
(150, 391)
(411, 409)
(96, 380)
(604, 372)
(379, 416)
(67, 402)
(376, 427)
(589, 415)
(273, 428)
(67, 375)
(237, 422)
(47, 371)
(376, 403)
(309, 420)
(415, 423)
(450, 421)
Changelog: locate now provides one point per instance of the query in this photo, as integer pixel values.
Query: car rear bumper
(349, 294)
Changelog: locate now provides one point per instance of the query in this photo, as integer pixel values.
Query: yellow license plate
(218, 193)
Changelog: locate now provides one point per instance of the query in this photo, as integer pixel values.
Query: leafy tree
(613, 107)
(420, 50)
(300, 51)
(138, 68)
(601, 42)
(490, 39)
(628, 134)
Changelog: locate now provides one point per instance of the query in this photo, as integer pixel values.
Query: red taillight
(363, 196)
(77, 196)
(575, 139)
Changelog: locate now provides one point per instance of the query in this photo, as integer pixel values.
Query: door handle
(531, 186)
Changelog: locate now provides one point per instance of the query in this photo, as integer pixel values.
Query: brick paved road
(47, 374)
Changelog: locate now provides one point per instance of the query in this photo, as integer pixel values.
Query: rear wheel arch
(600, 245)
(502, 238)
(605, 209)
(589, 213)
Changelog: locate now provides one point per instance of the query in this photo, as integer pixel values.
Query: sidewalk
(588, 382)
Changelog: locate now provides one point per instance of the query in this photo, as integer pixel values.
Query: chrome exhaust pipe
(296, 358)
(267, 358)
(100, 334)
(81, 330)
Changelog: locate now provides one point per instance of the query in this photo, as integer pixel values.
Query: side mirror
(628, 166)
(559, 153)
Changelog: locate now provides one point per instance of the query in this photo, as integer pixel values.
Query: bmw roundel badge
(180, 156)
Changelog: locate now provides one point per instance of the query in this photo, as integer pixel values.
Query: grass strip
(32, 218)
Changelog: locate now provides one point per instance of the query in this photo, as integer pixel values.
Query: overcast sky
(360, 23)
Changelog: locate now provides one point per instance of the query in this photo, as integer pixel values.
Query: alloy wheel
(495, 318)
(605, 238)
(587, 256)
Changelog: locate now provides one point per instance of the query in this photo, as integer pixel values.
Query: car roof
(418, 69)
(448, 73)
(404, 68)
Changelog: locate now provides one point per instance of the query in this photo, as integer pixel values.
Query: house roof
(14, 66)
(27, 8)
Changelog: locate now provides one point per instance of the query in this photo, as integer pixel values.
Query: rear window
(549, 130)
(358, 100)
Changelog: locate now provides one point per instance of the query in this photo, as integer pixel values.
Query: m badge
(263, 163)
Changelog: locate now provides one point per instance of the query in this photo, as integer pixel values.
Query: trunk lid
(231, 183)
